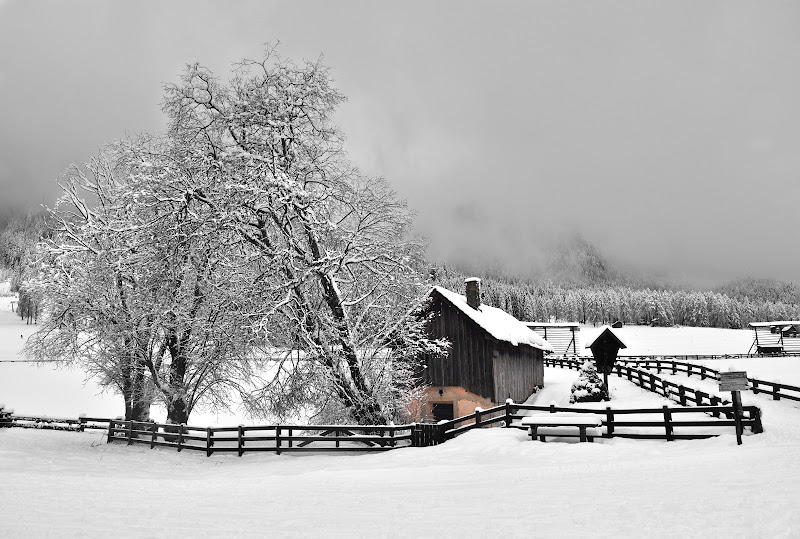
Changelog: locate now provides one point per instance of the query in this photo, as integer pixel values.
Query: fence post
(755, 386)
(758, 428)
(682, 395)
(81, 424)
(278, 438)
(111, 425)
(478, 411)
(714, 402)
(552, 408)
(668, 423)
(153, 431)
(391, 435)
(775, 395)
(674, 367)
(509, 402)
(698, 397)
(180, 437)
(209, 441)
(241, 440)
(609, 421)
(130, 432)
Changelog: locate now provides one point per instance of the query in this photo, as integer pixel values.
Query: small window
(442, 411)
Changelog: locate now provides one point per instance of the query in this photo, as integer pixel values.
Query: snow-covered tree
(136, 284)
(588, 387)
(340, 275)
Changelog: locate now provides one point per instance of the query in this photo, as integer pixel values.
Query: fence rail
(696, 357)
(676, 392)
(650, 420)
(7, 419)
(776, 389)
(274, 438)
(643, 423)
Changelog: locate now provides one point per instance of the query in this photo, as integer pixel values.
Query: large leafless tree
(340, 272)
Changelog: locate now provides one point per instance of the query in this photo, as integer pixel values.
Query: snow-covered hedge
(589, 386)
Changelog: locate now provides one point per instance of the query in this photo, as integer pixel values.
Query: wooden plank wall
(517, 372)
(479, 363)
(469, 363)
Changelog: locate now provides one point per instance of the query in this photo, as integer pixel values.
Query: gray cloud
(666, 133)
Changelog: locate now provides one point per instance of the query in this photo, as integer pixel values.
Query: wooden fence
(776, 389)
(695, 357)
(639, 423)
(274, 438)
(645, 423)
(683, 395)
(7, 419)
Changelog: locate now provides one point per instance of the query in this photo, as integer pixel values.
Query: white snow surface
(592, 335)
(681, 340)
(484, 483)
(498, 323)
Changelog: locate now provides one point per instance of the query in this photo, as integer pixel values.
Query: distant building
(493, 356)
(778, 337)
(562, 336)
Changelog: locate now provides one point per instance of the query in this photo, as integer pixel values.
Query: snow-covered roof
(553, 325)
(496, 322)
(777, 323)
(594, 334)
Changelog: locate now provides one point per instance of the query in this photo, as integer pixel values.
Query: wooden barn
(493, 356)
(562, 336)
(778, 337)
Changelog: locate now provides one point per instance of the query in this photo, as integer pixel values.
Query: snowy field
(63, 392)
(647, 341)
(487, 483)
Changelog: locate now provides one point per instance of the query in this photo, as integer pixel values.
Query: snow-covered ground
(488, 483)
(491, 482)
(59, 391)
(646, 340)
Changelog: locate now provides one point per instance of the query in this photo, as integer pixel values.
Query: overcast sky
(667, 133)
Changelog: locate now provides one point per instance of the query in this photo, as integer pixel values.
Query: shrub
(589, 386)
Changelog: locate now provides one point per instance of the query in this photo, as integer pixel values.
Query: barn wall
(469, 363)
(518, 371)
(464, 402)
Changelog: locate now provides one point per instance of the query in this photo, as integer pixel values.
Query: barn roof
(575, 325)
(776, 323)
(592, 337)
(496, 322)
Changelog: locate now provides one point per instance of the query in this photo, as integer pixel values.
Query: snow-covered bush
(589, 386)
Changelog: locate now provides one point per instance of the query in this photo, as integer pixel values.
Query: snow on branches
(239, 252)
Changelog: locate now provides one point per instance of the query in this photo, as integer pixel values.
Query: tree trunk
(177, 411)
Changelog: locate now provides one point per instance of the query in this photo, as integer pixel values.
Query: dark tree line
(542, 302)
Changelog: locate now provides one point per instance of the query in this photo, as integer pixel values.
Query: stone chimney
(473, 292)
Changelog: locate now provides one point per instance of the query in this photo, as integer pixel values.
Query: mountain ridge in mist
(576, 262)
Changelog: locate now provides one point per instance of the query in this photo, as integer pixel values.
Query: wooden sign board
(733, 381)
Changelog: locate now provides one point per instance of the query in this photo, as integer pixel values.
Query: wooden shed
(493, 356)
(777, 337)
(562, 336)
